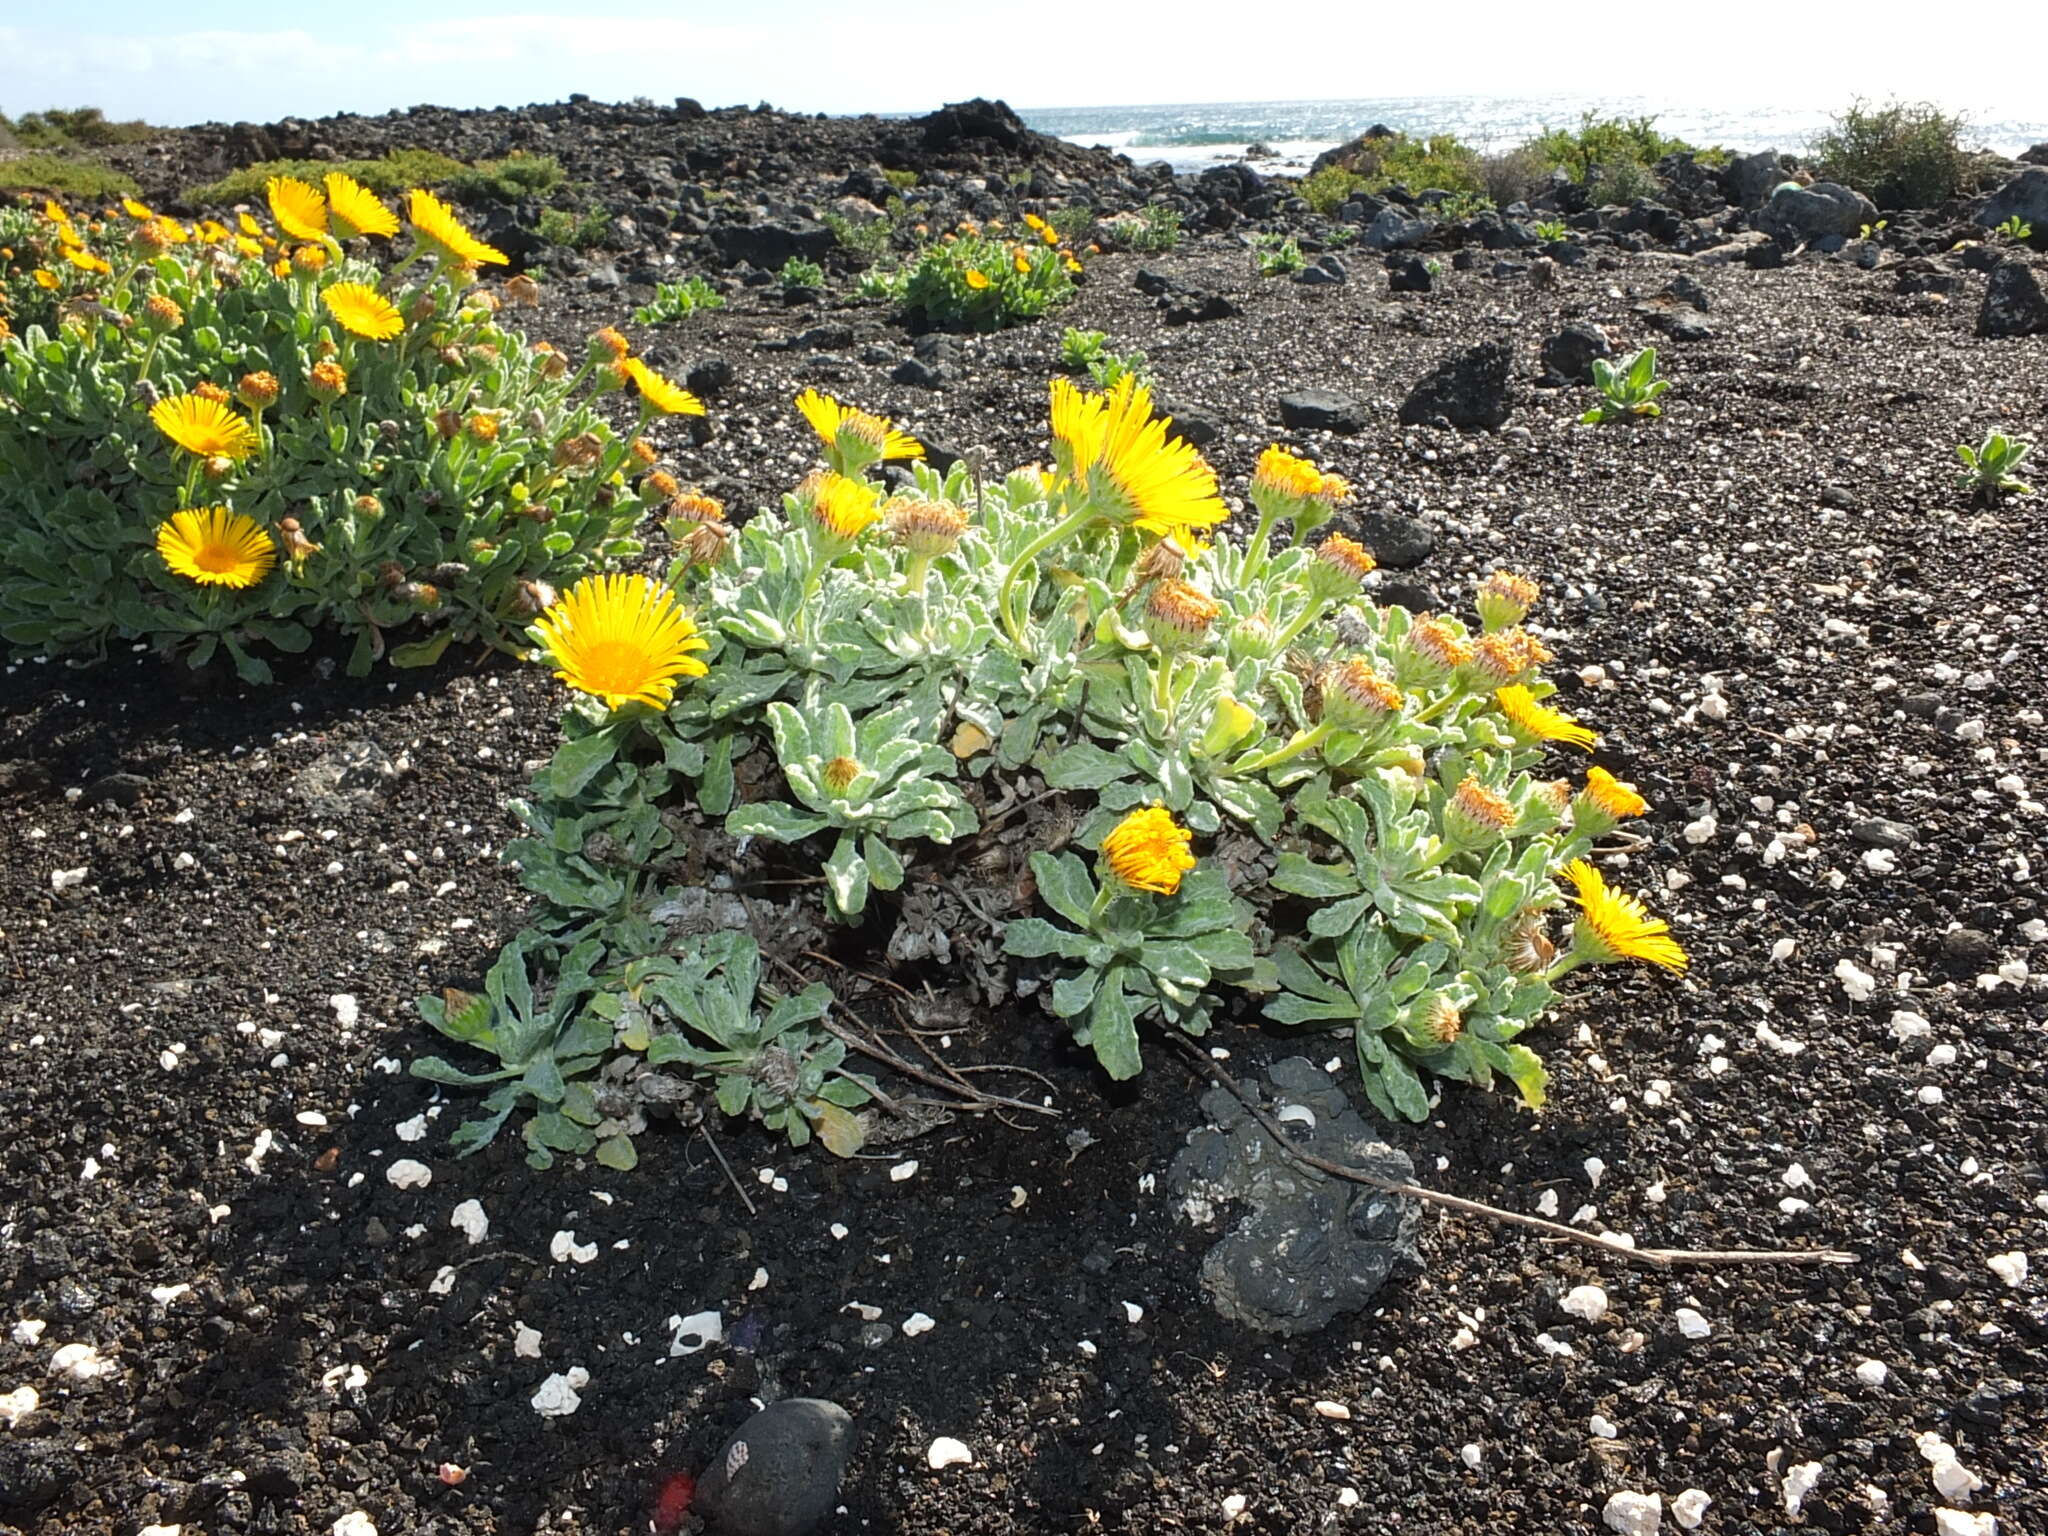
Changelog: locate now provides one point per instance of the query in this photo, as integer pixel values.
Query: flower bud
(644, 453)
(1476, 816)
(297, 547)
(1356, 698)
(1339, 568)
(839, 774)
(700, 543)
(258, 390)
(927, 529)
(1229, 724)
(532, 597)
(1177, 617)
(523, 291)
(368, 506)
(1430, 652)
(218, 467)
(450, 356)
(161, 313)
(145, 394)
(608, 346)
(578, 452)
(1504, 599)
(552, 364)
(328, 381)
(482, 426)
(206, 389)
(309, 259)
(421, 309)
(663, 484)
(448, 424)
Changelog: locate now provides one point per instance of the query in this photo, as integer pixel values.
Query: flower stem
(1071, 524)
(1303, 740)
(1255, 551)
(1315, 610)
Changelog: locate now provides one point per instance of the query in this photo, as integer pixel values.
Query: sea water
(1192, 136)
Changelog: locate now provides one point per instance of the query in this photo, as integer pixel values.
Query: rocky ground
(233, 1310)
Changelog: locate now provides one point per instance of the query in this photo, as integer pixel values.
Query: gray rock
(1570, 353)
(1308, 1248)
(1687, 289)
(1192, 306)
(1321, 410)
(1393, 230)
(1466, 389)
(2038, 155)
(770, 246)
(1749, 178)
(123, 789)
(348, 778)
(1409, 274)
(1798, 214)
(1197, 428)
(779, 1475)
(1319, 277)
(1396, 540)
(915, 371)
(2013, 302)
(1970, 946)
(710, 374)
(1876, 832)
(2024, 197)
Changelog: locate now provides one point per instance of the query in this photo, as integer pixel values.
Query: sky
(198, 60)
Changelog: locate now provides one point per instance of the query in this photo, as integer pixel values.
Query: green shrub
(1387, 834)
(1330, 188)
(869, 238)
(1989, 467)
(1622, 182)
(1439, 162)
(82, 180)
(77, 128)
(213, 440)
(511, 179)
(676, 301)
(902, 181)
(1608, 143)
(1628, 390)
(802, 275)
(1151, 230)
(1899, 156)
(1277, 255)
(975, 283)
(578, 231)
(1088, 352)
(1513, 176)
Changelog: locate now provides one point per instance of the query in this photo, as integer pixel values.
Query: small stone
(917, 1323)
(1691, 1324)
(1872, 1373)
(1330, 1410)
(1959, 1522)
(558, 1395)
(1235, 1505)
(1600, 1427)
(779, 1474)
(903, 1171)
(563, 1248)
(1471, 1455)
(947, 1452)
(18, 1405)
(81, 1362)
(354, 1523)
(1321, 410)
(346, 1010)
(2009, 1267)
(1629, 1513)
(1690, 1507)
(526, 1343)
(1799, 1482)
(469, 1219)
(1588, 1302)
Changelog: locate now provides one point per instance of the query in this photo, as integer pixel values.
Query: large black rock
(769, 246)
(2013, 303)
(1321, 410)
(1466, 389)
(779, 1475)
(962, 122)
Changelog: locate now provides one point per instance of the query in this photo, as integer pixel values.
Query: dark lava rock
(1393, 230)
(1674, 320)
(1762, 258)
(710, 374)
(1749, 178)
(1396, 540)
(770, 246)
(123, 789)
(2038, 155)
(1969, 946)
(1310, 1248)
(1321, 410)
(1192, 305)
(1876, 832)
(1197, 428)
(1687, 289)
(2025, 198)
(348, 778)
(1329, 270)
(22, 776)
(1409, 274)
(1466, 389)
(2013, 302)
(1152, 284)
(35, 1473)
(779, 1475)
(1410, 595)
(918, 373)
(960, 122)
(1570, 353)
(1798, 214)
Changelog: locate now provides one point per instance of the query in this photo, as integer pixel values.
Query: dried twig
(1658, 1258)
(738, 1188)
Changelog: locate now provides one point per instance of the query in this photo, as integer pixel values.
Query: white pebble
(1796, 1177)
(1960, 1522)
(1691, 1324)
(1629, 1513)
(702, 1329)
(1799, 1482)
(17, 1405)
(760, 1280)
(1872, 1373)
(346, 1011)
(81, 1362)
(526, 1343)
(1702, 831)
(563, 1247)
(1464, 1339)
(1782, 950)
(1690, 1507)
(1234, 1506)
(443, 1281)
(902, 1171)
(354, 1523)
(839, 1231)
(917, 1323)
(2009, 1267)
(1133, 1313)
(1087, 1348)
(1330, 1410)
(62, 880)
(558, 1395)
(1586, 1301)
(1594, 1169)
(947, 1452)
(1471, 1455)
(1931, 1094)
(469, 1219)
(1600, 1427)
(28, 1332)
(1908, 1025)
(1546, 1203)
(408, 1173)
(164, 1295)
(1858, 983)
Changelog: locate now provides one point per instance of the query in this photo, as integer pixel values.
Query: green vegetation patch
(508, 180)
(84, 179)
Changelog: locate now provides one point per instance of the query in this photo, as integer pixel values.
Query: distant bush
(869, 238)
(1623, 182)
(674, 301)
(80, 128)
(975, 283)
(1514, 176)
(1148, 230)
(1607, 143)
(1900, 156)
(508, 180)
(1329, 189)
(902, 181)
(85, 180)
(578, 231)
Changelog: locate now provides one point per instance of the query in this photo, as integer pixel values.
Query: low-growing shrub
(61, 176)
(578, 231)
(976, 282)
(509, 180)
(1281, 798)
(1440, 162)
(902, 181)
(1989, 467)
(1628, 390)
(677, 301)
(1899, 155)
(1088, 352)
(1150, 230)
(73, 128)
(1329, 189)
(802, 275)
(1606, 144)
(216, 438)
(869, 238)
(1275, 255)
(1513, 176)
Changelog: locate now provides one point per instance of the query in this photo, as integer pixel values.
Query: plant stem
(1071, 524)
(1302, 741)
(1315, 610)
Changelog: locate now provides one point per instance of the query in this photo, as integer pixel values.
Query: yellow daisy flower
(1615, 926)
(136, 210)
(1133, 472)
(854, 438)
(668, 398)
(841, 508)
(977, 279)
(1148, 851)
(300, 210)
(85, 261)
(216, 547)
(205, 428)
(436, 223)
(362, 311)
(1532, 722)
(622, 639)
(356, 209)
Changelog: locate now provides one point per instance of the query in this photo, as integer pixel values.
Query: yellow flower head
(1020, 261)
(1288, 482)
(356, 209)
(300, 210)
(622, 639)
(1505, 598)
(1615, 926)
(1532, 722)
(136, 210)
(85, 261)
(670, 399)
(841, 509)
(249, 227)
(1604, 804)
(436, 223)
(1340, 567)
(1356, 698)
(45, 278)
(976, 279)
(1476, 815)
(1132, 472)
(216, 547)
(1148, 851)
(362, 311)
(853, 438)
(203, 427)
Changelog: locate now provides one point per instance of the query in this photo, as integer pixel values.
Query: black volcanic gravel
(1773, 603)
